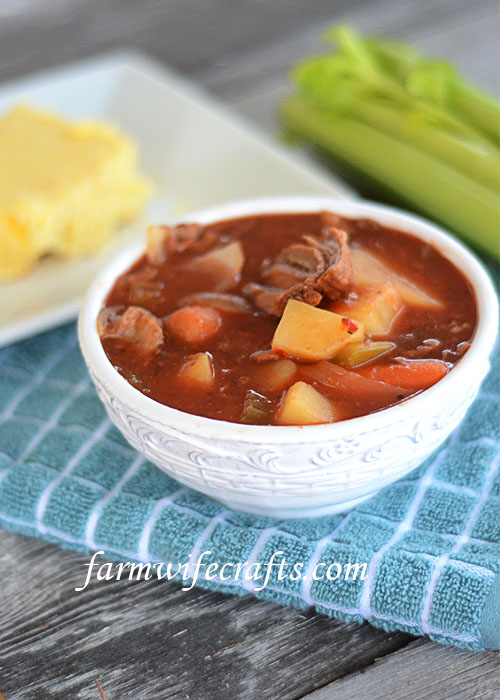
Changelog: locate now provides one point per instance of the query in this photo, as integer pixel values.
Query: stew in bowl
(287, 318)
(290, 356)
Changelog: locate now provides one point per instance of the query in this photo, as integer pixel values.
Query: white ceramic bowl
(289, 471)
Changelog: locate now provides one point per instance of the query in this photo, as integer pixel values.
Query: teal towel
(431, 541)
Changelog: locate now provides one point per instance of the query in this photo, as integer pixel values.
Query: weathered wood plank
(421, 671)
(151, 640)
(188, 34)
(245, 40)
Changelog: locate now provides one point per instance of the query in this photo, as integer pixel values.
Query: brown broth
(242, 334)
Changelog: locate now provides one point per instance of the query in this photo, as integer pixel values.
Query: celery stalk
(469, 103)
(339, 82)
(433, 187)
(410, 123)
(478, 108)
(357, 354)
(480, 160)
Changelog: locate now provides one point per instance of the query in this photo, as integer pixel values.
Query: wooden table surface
(148, 639)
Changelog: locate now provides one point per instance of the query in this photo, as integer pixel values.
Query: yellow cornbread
(64, 187)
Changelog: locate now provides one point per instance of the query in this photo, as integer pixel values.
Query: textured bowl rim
(471, 366)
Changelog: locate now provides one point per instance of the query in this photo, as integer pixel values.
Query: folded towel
(431, 541)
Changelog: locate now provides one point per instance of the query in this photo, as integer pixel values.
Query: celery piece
(256, 409)
(437, 189)
(356, 354)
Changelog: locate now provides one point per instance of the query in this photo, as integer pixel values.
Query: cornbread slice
(64, 187)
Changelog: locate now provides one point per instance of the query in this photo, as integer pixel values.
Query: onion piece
(344, 383)
(223, 302)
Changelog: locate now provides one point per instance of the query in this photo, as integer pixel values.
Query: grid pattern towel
(431, 541)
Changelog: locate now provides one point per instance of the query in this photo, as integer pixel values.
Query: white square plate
(198, 153)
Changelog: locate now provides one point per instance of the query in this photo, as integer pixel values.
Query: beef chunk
(137, 325)
(263, 298)
(273, 300)
(165, 240)
(319, 266)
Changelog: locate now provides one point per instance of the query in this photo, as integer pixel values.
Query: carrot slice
(343, 383)
(194, 324)
(414, 375)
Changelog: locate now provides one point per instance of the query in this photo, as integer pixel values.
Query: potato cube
(276, 375)
(223, 265)
(374, 307)
(303, 405)
(369, 269)
(198, 370)
(311, 334)
(159, 239)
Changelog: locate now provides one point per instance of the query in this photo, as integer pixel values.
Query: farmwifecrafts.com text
(251, 575)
